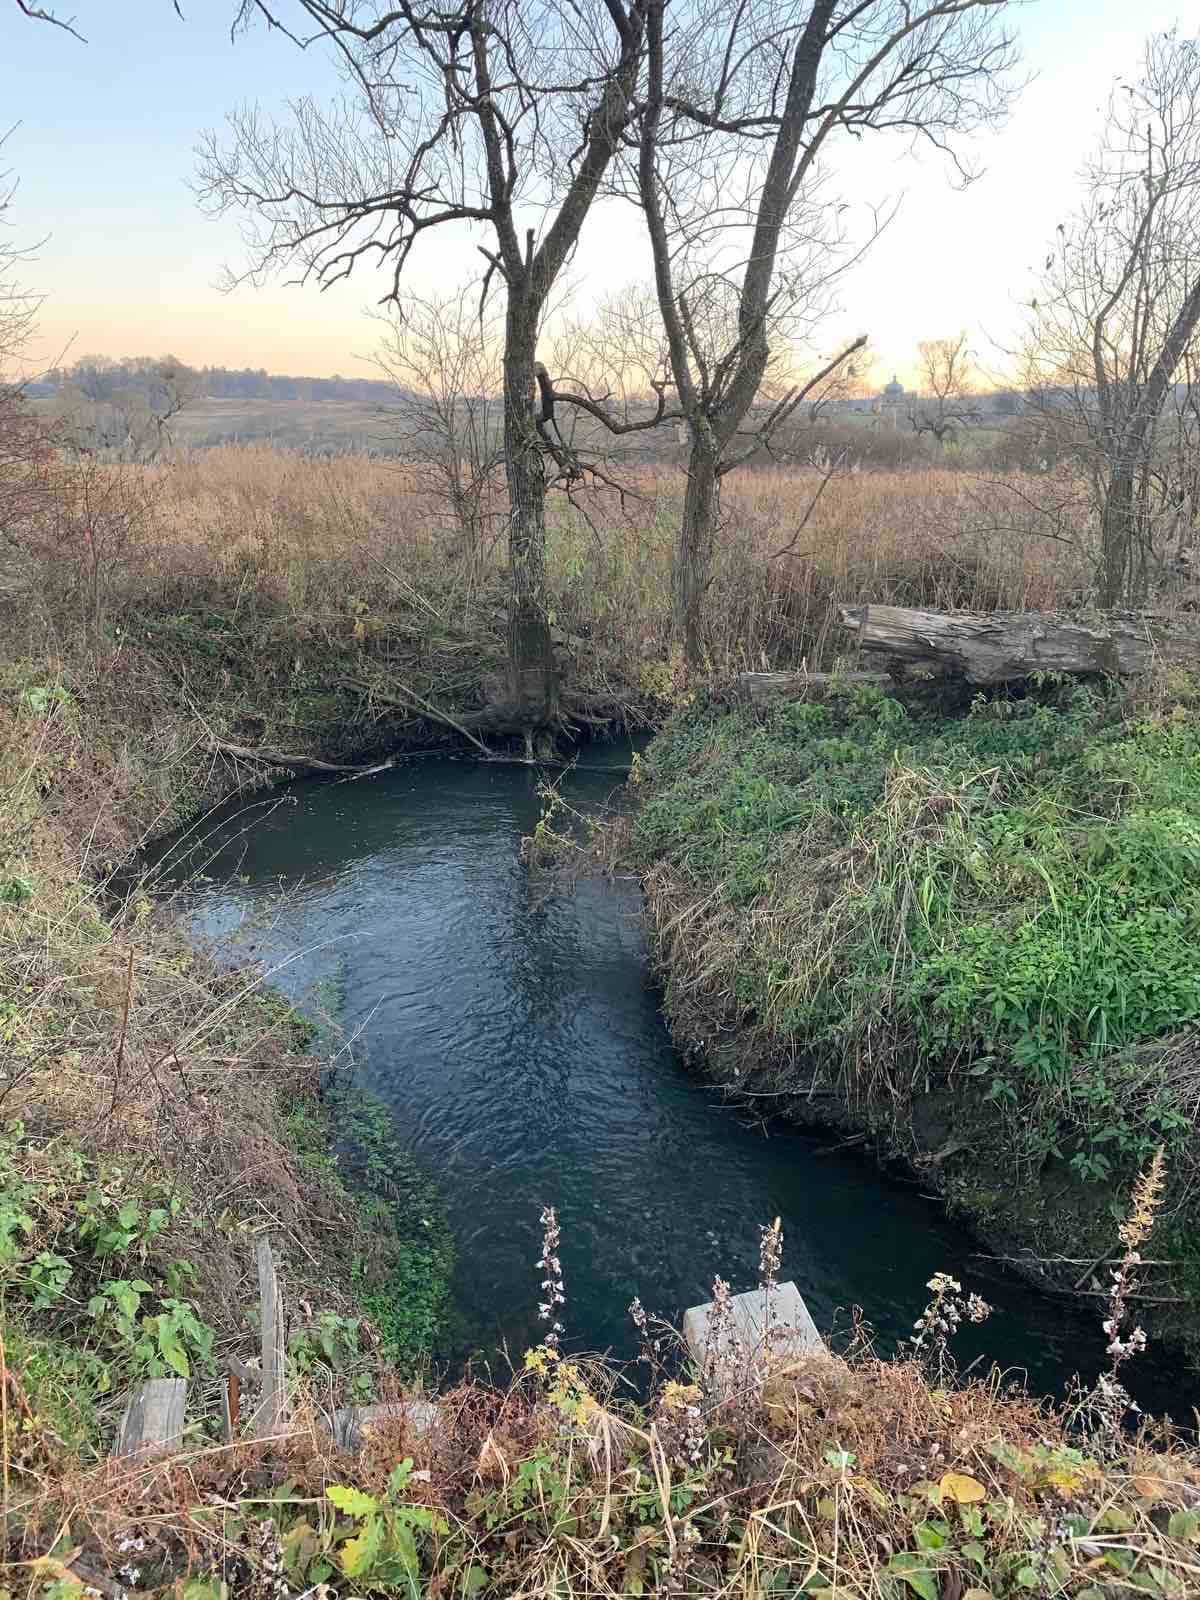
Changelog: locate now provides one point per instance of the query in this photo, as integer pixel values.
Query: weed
(940, 1321)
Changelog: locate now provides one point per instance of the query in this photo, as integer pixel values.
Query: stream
(515, 1035)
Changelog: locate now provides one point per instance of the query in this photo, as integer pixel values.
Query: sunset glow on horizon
(104, 134)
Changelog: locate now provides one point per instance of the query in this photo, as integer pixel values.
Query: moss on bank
(973, 935)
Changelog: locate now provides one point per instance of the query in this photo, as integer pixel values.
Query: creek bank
(217, 1092)
(232, 679)
(969, 939)
(158, 1113)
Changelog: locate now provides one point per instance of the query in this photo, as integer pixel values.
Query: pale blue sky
(103, 151)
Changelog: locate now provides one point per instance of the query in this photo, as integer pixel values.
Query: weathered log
(995, 647)
(765, 686)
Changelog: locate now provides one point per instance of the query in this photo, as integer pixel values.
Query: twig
(124, 1035)
(40, 14)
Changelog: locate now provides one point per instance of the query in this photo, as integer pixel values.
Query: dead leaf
(958, 1486)
(1149, 1488)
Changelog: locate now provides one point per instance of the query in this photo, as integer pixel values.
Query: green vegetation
(410, 1305)
(978, 930)
(91, 1278)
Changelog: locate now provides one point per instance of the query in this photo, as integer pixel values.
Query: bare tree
(124, 410)
(446, 363)
(1119, 309)
(944, 405)
(610, 371)
(26, 444)
(771, 88)
(502, 116)
(1176, 465)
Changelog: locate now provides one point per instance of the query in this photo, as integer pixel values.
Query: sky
(102, 145)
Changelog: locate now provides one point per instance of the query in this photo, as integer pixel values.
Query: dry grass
(274, 524)
(858, 1480)
(131, 1068)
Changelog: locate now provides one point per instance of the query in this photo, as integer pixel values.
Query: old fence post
(272, 1406)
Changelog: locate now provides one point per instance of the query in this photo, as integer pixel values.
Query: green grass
(1006, 902)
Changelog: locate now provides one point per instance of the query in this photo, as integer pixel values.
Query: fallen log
(764, 686)
(995, 647)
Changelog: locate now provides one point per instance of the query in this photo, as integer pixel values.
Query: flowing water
(516, 1037)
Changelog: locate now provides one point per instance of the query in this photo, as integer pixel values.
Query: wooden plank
(350, 1423)
(998, 646)
(271, 1411)
(153, 1418)
(780, 1323)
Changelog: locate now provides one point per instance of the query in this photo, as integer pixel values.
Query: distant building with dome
(889, 404)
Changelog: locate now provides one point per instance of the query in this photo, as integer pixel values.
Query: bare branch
(41, 14)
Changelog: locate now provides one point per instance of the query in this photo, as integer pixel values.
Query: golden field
(313, 532)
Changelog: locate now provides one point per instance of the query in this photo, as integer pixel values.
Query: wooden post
(272, 1406)
(237, 1376)
(153, 1417)
(231, 1407)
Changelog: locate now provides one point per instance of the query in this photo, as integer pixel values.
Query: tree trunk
(533, 681)
(1013, 644)
(697, 536)
(1116, 535)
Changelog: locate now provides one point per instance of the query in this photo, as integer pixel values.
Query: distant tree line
(101, 378)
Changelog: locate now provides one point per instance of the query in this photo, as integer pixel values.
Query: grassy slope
(158, 1114)
(963, 934)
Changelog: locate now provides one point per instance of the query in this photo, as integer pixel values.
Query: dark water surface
(517, 1040)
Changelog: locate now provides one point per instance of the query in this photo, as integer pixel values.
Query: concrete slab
(792, 1330)
(348, 1423)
